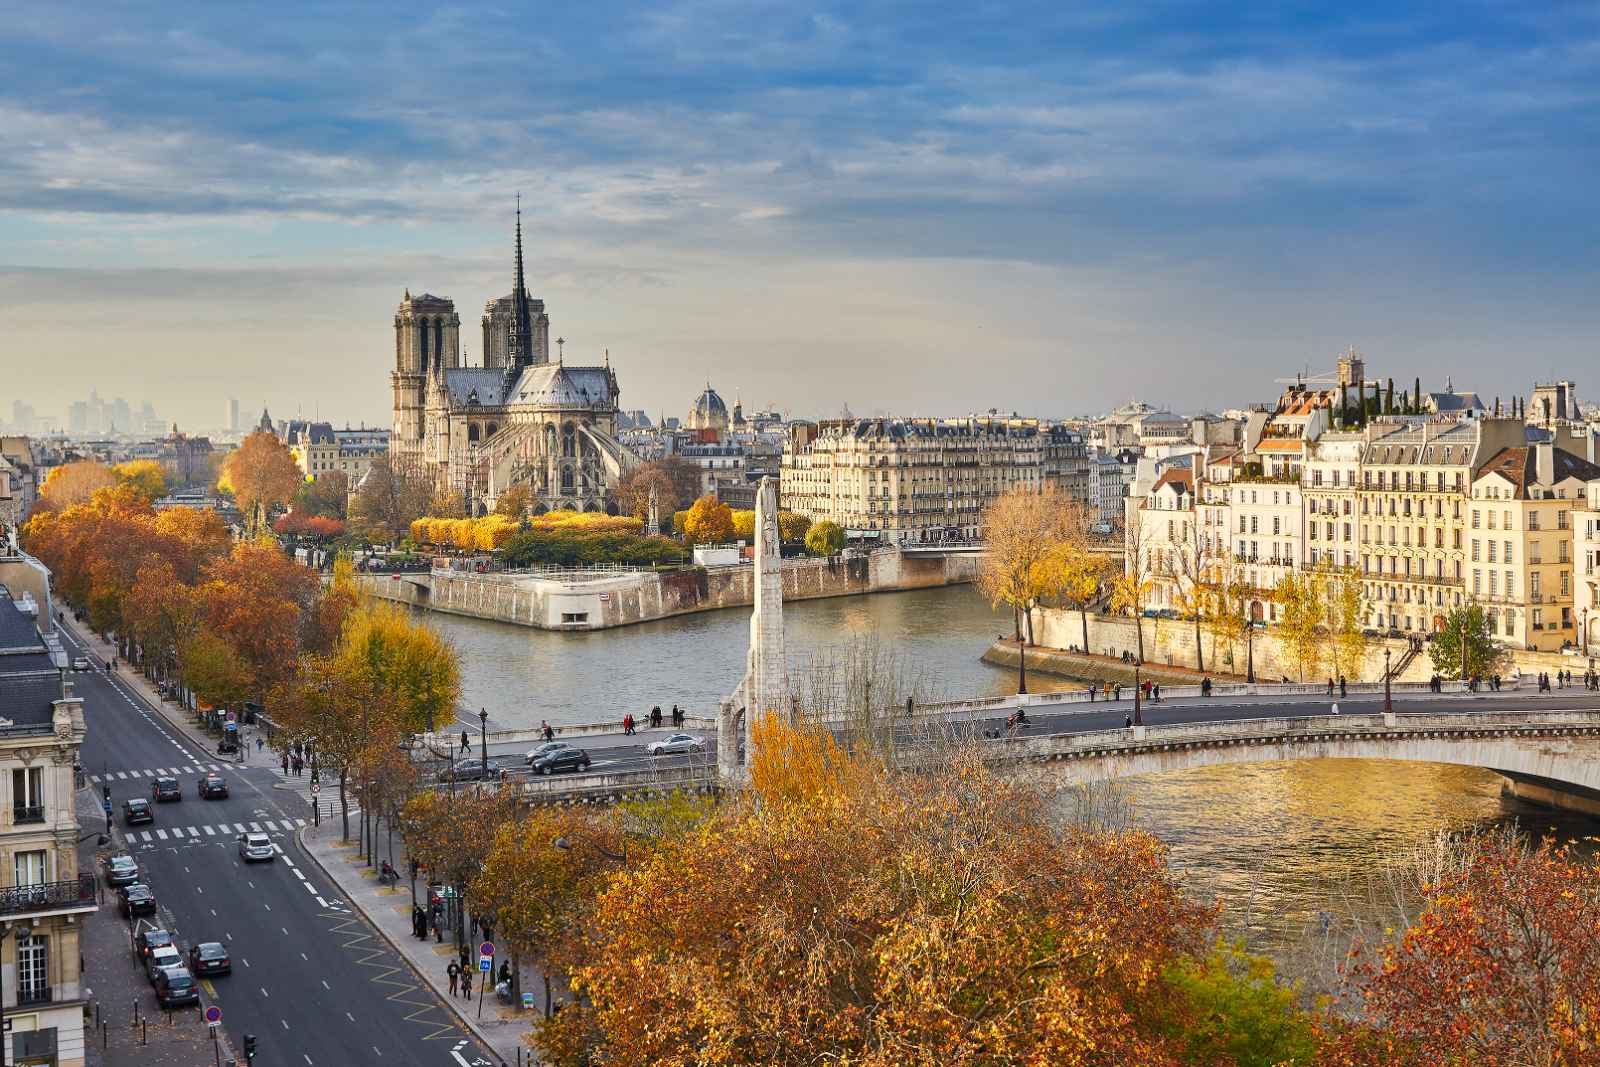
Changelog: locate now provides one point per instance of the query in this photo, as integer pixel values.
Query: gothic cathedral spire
(521, 347)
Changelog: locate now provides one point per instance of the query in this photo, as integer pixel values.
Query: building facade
(43, 896)
(1586, 576)
(319, 449)
(910, 481)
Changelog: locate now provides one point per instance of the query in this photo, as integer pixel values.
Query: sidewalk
(388, 909)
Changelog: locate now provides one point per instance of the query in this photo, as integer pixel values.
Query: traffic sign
(316, 787)
(484, 963)
(527, 1001)
(486, 949)
(213, 1015)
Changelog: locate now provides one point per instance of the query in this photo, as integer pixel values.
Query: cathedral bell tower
(427, 340)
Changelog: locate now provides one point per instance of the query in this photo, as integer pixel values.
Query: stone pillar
(765, 688)
(730, 742)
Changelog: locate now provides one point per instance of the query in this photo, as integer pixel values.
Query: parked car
(544, 749)
(212, 785)
(676, 743)
(121, 870)
(160, 958)
(210, 957)
(150, 940)
(136, 899)
(254, 847)
(562, 759)
(175, 987)
(471, 770)
(163, 790)
(137, 810)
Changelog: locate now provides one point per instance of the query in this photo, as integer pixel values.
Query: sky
(919, 208)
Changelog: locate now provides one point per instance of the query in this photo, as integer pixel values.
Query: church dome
(709, 405)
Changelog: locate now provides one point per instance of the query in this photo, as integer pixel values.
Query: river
(1267, 840)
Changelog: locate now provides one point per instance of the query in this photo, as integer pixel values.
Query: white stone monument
(765, 688)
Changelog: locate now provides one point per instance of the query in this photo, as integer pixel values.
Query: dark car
(562, 759)
(212, 785)
(136, 811)
(136, 899)
(165, 789)
(210, 957)
(473, 771)
(176, 986)
(150, 940)
(121, 870)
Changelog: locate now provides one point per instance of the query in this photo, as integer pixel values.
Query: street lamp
(1388, 702)
(483, 739)
(1138, 720)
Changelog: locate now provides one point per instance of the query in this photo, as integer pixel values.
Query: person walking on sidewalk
(285, 763)
(466, 982)
(454, 972)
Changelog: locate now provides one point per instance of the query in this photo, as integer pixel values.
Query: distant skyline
(932, 208)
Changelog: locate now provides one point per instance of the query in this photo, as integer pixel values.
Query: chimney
(1544, 454)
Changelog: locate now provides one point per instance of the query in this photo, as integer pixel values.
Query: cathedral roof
(487, 384)
(709, 403)
(558, 385)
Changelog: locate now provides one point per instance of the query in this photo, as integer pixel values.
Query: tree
(709, 522)
(884, 919)
(75, 483)
(1238, 1012)
(824, 538)
(1467, 625)
(1228, 591)
(146, 476)
(1346, 602)
(1192, 564)
(392, 494)
(409, 665)
(513, 503)
(1301, 618)
(675, 480)
(212, 668)
(1083, 573)
(262, 475)
(1131, 588)
(793, 526)
(744, 525)
(1500, 968)
(1025, 531)
(452, 835)
(326, 495)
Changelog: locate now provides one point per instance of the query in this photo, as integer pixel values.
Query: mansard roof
(558, 385)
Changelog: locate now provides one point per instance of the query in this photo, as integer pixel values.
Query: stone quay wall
(602, 600)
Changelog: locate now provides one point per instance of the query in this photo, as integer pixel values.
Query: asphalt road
(311, 979)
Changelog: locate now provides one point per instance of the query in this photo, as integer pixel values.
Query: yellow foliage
(800, 763)
(489, 532)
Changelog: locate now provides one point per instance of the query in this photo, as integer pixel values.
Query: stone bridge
(1550, 757)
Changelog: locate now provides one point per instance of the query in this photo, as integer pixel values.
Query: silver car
(676, 743)
(253, 847)
(545, 749)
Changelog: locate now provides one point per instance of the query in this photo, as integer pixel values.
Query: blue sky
(925, 208)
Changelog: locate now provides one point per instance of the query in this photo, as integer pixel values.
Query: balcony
(26, 813)
(69, 895)
(33, 995)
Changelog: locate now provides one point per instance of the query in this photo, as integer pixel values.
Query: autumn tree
(1193, 562)
(1346, 605)
(447, 504)
(884, 919)
(1302, 617)
(1501, 968)
(744, 525)
(409, 664)
(1131, 588)
(824, 538)
(1227, 593)
(257, 599)
(147, 477)
(514, 502)
(75, 483)
(453, 834)
(1025, 532)
(262, 475)
(710, 522)
(326, 495)
(793, 526)
(392, 494)
(1467, 626)
(675, 480)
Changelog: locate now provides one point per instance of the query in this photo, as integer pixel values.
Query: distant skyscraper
(230, 418)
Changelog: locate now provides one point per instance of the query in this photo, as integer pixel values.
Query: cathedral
(517, 420)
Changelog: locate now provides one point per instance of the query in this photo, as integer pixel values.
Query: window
(1493, 575)
(33, 970)
(30, 868)
(1538, 618)
(1533, 585)
(1509, 555)
(1492, 546)
(1533, 520)
(1474, 550)
(27, 794)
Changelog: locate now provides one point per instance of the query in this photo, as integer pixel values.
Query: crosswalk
(214, 831)
(154, 772)
(327, 794)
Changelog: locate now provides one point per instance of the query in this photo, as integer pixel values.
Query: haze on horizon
(930, 209)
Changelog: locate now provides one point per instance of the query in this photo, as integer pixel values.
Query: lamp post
(1250, 650)
(1388, 703)
(1022, 666)
(483, 739)
(1138, 720)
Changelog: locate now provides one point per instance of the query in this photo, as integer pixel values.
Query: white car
(253, 847)
(81, 663)
(162, 958)
(676, 743)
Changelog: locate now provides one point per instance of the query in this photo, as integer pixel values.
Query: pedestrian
(260, 744)
(466, 743)
(454, 972)
(286, 763)
(544, 730)
(1127, 722)
(1335, 709)
(1341, 687)
(466, 983)
(627, 723)
(505, 973)
(1155, 692)
(1330, 685)
(1091, 692)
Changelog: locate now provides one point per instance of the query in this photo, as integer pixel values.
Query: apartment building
(1522, 550)
(1586, 568)
(910, 481)
(1329, 486)
(1163, 538)
(320, 449)
(42, 894)
(1415, 476)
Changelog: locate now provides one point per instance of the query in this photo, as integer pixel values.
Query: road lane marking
(209, 831)
(285, 1023)
(264, 991)
(305, 957)
(255, 828)
(238, 827)
(329, 988)
(347, 1015)
(270, 825)
(162, 834)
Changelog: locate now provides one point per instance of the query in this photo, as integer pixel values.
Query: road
(311, 979)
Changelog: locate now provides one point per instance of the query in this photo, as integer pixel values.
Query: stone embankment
(599, 600)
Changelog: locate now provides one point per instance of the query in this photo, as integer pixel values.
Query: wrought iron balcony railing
(47, 896)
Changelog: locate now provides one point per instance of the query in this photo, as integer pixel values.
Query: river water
(1267, 840)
